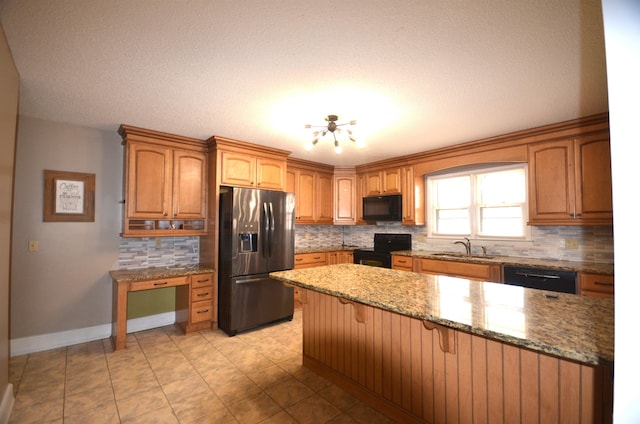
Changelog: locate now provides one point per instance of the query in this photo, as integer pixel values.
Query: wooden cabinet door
(593, 178)
(373, 184)
(551, 181)
(344, 199)
(305, 197)
(189, 184)
(270, 173)
(360, 190)
(392, 181)
(238, 169)
(383, 182)
(408, 197)
(149, 181)
(292, 181)
(339, 257)
(324, 191)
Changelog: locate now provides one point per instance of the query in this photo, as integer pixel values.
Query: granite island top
(592, 267)
(569, 326)
(152, 273)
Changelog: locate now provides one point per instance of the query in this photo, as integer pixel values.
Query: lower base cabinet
(196, 304)
(596, 285)
(482, 272)
(402, 263)
(340, 257)
(309, 260)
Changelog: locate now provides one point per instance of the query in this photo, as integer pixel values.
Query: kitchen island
(425, 348)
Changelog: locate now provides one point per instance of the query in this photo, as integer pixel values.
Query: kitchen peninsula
(427, 348)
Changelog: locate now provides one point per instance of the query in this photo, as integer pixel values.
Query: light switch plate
(33, 245)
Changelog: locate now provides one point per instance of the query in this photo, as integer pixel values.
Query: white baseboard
(6, 404)
(26, 345)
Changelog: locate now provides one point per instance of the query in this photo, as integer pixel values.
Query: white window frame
(474, 207)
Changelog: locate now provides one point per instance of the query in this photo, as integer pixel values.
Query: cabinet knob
(165, 214)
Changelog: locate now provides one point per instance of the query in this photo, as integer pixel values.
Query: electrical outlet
(571, 243)
(158, 242)
(33, 245)
(307, 236)
(420, 238)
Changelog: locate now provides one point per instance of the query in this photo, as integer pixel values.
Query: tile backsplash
(158, 251)
(594, 244)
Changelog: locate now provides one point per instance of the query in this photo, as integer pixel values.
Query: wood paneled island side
(426, 348)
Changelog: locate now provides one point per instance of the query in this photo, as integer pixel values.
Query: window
(480, 203)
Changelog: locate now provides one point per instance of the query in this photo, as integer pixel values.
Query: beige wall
(9, 85)
(65, 285)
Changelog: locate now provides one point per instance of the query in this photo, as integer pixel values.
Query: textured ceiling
(415, 74)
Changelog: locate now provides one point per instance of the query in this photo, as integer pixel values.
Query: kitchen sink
(461, 255)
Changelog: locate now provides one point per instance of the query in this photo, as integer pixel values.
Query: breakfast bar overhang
(426, 348)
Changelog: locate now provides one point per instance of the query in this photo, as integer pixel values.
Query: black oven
(383, 245)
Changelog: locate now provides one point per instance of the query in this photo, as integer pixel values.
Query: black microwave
(382, 208)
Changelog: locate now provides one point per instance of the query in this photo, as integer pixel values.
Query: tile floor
(164, 376)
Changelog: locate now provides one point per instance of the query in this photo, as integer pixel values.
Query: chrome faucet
(466, 244)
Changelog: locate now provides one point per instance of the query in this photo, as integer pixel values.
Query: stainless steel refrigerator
(256, 237)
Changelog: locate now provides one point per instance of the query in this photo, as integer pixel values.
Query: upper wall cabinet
(390, 180)
(387, 181)
(247, 165)
(412, 197)
(312, 184)
(570, 181)
(164, 184)
(344, 199)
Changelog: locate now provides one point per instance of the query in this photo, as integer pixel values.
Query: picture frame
(69, 196)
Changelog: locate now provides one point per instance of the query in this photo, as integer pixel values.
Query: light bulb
(308, 146)
(338, 147)
(360, 143)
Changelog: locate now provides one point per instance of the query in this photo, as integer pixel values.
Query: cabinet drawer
(596, 283)
(202, 293)
(201, 280)
(402, 262)
(305, 260)
(158, 284)
(202, 311)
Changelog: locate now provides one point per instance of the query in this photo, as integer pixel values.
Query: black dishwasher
(541, 278)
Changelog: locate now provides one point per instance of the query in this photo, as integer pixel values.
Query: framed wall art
(69, 196)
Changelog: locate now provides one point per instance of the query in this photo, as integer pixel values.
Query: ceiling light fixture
(333, 128)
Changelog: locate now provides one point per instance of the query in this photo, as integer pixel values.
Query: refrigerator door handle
(265, 231)
(272, 227)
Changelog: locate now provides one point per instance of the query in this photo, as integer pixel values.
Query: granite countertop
(569, 326)
(152, 273)
(592, 267)
(327, 249)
